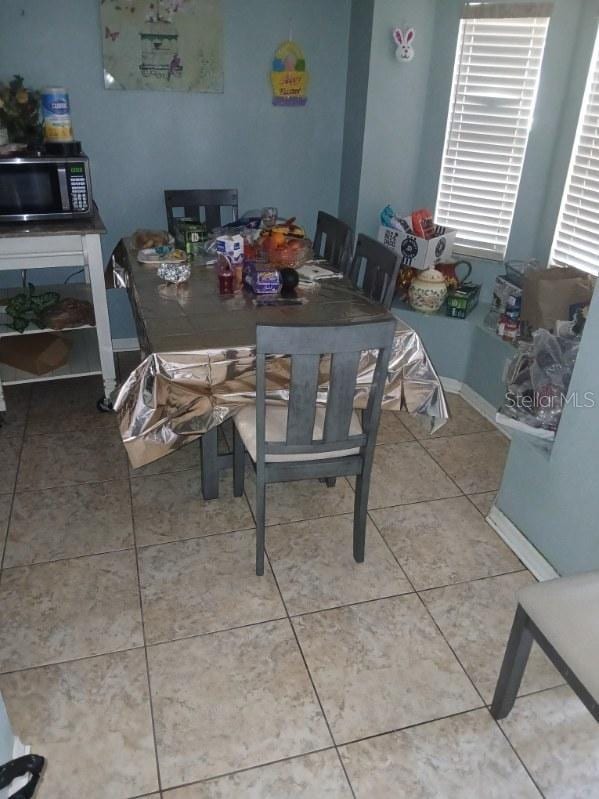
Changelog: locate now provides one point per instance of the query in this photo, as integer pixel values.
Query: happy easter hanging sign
(289, 77)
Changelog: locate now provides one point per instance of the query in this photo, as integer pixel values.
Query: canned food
(57, 115)
(195, 234)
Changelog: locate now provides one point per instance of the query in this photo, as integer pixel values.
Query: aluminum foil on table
(171, 398)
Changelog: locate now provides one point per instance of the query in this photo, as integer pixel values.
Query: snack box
(262, 278)
(462, 300)
(417, 252)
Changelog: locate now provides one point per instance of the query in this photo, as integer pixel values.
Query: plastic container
(56, 113)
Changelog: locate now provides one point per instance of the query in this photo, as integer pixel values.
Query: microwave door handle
(64, 189)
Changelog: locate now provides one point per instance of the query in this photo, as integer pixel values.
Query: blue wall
(140, 143)
(358, 69)
(395, 110)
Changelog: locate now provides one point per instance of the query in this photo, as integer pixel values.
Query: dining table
(198, 358)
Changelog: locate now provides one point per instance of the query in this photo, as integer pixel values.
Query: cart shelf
(79, 291)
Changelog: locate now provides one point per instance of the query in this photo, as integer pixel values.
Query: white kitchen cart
(30, 246)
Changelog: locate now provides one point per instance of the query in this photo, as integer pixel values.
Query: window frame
(495, 13)
(593, 72)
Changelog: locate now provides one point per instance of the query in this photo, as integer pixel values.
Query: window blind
(576, 241)
(495, 81)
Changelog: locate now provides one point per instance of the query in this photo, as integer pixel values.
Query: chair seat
(276, 431)
(566, 611)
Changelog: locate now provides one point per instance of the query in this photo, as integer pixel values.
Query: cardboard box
(38, 353)
(416, 252)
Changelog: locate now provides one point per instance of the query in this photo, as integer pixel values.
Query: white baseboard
(520, 545)
(451, 385)
(125, 344)
(480, 404)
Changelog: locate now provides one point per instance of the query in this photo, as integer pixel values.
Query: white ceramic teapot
(427, 291)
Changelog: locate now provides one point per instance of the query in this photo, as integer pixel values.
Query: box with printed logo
(417, 252)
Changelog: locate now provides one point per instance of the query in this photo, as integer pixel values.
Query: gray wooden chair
(304, 440)
(203, 204)
(334, 241)
(374, 270)
(562, 616)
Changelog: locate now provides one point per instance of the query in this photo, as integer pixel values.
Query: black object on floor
(28, 764)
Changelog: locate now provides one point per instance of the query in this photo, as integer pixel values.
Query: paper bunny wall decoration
(404, 51)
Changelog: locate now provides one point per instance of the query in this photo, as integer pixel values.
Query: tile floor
(140, 653)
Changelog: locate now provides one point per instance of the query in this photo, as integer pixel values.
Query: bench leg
(512, 668)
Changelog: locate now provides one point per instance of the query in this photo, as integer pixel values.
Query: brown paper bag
(548, 295)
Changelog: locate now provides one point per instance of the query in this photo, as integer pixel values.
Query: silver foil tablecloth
(199, 367)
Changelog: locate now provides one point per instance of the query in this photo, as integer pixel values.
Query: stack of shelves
(84, 358)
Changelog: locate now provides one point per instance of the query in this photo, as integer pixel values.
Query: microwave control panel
(77, 185)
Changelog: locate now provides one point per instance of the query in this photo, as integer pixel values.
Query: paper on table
(310, 273)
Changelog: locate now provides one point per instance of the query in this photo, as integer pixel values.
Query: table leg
(210, 465)
(93, 253)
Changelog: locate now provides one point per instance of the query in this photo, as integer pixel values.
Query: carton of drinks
(231, 247)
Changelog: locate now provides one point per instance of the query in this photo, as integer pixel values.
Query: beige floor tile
(474, 461)
(17, 405)
(404, 473)
(69, 521)
(558, 741)
(69, 609)
(64, 406)
(315, 776)
(303, 499)
(170, 507)
(463, 757)
(314, 565)
(68, 458)
(91, 720)
(380, 666)
(392, 430)
(232, 700)
(484, 502)
(203, 585)
(476, 619)
(442, 542)
(463, 419)
(11, 446)
(187, 457)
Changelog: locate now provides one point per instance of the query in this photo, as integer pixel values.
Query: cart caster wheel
(104, 405)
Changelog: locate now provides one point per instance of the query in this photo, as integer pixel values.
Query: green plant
(28, 307)
(20, 111)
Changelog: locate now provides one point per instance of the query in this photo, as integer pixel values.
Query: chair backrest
(333, 240)
(378, 276)
(319, 352)
(195, 201)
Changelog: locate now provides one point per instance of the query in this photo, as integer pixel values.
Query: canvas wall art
(163, 44)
